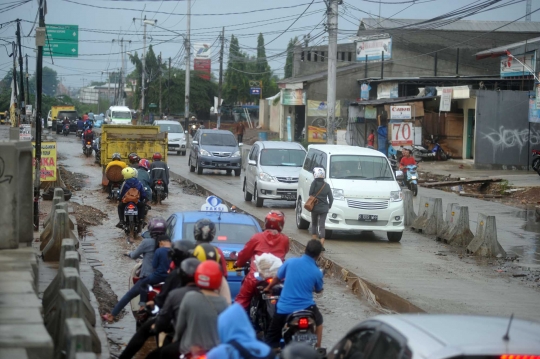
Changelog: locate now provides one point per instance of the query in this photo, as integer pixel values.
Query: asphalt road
(427, 273)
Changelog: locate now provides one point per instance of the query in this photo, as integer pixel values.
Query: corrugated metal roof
(501, 50)
(319, 75)
(460, 25)
(431, 78)
(385, 101)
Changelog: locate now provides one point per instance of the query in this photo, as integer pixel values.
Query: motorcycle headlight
(396, 196)
(265, 177)
(338, 194)
(193, 127)
(236, 154)
(413, 177)
(203, 152)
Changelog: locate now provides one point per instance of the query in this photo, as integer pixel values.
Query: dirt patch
(105, 295)
(73, 181)
(87, 216)
(191, 189)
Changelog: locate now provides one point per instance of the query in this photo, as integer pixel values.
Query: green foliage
(290, 58)
(50, 81)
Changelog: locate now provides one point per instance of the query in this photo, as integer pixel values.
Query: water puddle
(528, 220)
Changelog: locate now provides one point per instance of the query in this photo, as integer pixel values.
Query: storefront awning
(387, 101)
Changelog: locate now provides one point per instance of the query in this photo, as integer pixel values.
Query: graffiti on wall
(504, 139)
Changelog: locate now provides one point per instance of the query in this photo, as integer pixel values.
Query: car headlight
(265, 177)
(236, 154)
(396, 196)
(338, 194)
(203, 152)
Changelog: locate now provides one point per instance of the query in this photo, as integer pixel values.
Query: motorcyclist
(159, 170)
(131, 181)
(270, 241)
(206, 251)
(88, 135)
(303, 277)
(238, 339)
(80, 124)
(204, 231)
(134, 159)
(116, 161)
(147, 248)
(144, 176)
(85, 117)
(405, 161)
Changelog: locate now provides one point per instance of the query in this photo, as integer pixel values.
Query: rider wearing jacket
(270, 241)
(144, 177)
(159, 170)
(130, 181)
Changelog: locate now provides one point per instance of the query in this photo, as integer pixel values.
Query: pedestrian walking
(323, 193)
(240, 129)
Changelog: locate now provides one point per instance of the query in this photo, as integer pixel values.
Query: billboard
(510, 67)
(374, 50)
(204, 66)
(48, 161)
(400, 112)
(293, 97)
(202, 50)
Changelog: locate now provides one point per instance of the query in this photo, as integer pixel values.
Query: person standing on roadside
(322, 191)
(240, 129)
(371, 140)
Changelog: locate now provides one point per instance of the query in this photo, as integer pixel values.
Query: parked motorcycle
(411, 181)
(65, 129)
(158, 194)
(87, 149)
(536, 161)
(420, 153)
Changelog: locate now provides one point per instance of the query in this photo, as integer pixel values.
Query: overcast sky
(100, 26)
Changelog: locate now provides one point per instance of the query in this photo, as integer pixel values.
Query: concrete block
(17, 193)
(430, 217)
(68, 244)
(33, 337)
(56, 199)
(485, 241)
(85, 355)
(76, 339)
(408, 205)
(456, 229)
(20, 301)
(20, 316)
(14, 133)
(9, 277)
(11, 353)
(47, 232)
(61, 230)
(19, 288)
(21, 258)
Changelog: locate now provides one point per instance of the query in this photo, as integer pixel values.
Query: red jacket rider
(270, 241)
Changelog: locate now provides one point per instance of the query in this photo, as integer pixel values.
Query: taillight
(159, 182)
(88, 142)
(131, 206)
(519, 356)
(303, 323)
(269, 280)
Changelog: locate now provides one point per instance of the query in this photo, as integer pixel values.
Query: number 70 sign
(402, 134)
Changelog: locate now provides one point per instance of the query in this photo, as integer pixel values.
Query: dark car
(214, 149)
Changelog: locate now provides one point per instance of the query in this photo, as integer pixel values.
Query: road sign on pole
(62, 41)
(255, 91)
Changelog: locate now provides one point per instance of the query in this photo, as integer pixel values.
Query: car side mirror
(195, 142)
(252, 163)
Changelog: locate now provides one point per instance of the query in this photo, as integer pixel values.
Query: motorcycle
(411, 181)
(536, 161)
(300, 327)
(65, 129)
(436, 153)
(153, 290)
(79, 133)
(115, 191)
(87, 149)
(158, 194)
(132, 221)
(97, 149)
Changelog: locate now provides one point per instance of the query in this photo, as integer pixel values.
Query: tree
(263, 70)
(290, 58)
(50, 81)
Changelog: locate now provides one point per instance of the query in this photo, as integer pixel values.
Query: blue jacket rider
(128, 184)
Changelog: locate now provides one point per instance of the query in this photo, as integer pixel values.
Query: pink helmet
(144, 163)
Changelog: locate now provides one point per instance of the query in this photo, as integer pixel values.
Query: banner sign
(387, 90)
(25, 132)
(320, 108)
(446, 99)
(204, 66)
(48, 161)
(510, 67)
(402, 134)
(374, 50)
(316, 129)
(400, 112)
(364, 91)
(293, 97)
(255, 91)
(202, 50)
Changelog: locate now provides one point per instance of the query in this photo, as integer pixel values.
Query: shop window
(315, 56)
(309, 55)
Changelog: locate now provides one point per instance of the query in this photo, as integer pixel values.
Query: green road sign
(62, 41)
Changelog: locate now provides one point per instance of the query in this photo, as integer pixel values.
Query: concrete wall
(502, 128)
(264, 114)
(274, 119)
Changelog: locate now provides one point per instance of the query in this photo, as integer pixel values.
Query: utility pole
(528, 10)
(159, 64)
(332, 14)
(122, 71)
(220, 78)
(188, 65)
(14, 83)
(143, 82)
(22, 103)
(169, 91)
(27, 86)
(39, 85)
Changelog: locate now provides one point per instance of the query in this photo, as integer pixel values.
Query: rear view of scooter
(412, 179)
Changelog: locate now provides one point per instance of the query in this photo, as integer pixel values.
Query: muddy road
(105, 244)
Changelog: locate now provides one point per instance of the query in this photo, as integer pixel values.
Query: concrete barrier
(33, 338)
(10, 353)
(58, 197)
(430, 217)
(68, 244)
(408, 205)
(61, 230)
(76, 339)
(85, 355)
(9, 277)
(485, 241)
(456, 229)
(17, 194)
(46, 235)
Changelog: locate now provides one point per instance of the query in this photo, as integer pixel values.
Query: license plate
(368, 217)
(160, 188)
(230, 266)
(88, 146)
(288, 196)
(308, 338)
(131, 212)
(222, 164)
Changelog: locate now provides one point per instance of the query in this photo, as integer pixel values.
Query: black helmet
(181, 250)
(187, 270)
(134, 158)
(299, 351)
(204, 230)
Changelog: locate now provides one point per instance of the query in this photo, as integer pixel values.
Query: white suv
(272, 171)
(366, 194)
(175, 135)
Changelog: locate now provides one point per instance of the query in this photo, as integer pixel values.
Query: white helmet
(318, 172)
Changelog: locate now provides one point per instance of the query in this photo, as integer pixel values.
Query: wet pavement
(431, 275)
(340, 307)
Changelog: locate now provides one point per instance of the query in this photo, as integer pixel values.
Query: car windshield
(218, 139)
(171, 128)
(282, 157)
(225, 233)
(121, 114)
(360, 167)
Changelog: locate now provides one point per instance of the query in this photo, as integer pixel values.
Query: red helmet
(144, 163)
(274, 220)
(157, 156)
(133, 158)
(208, 275)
